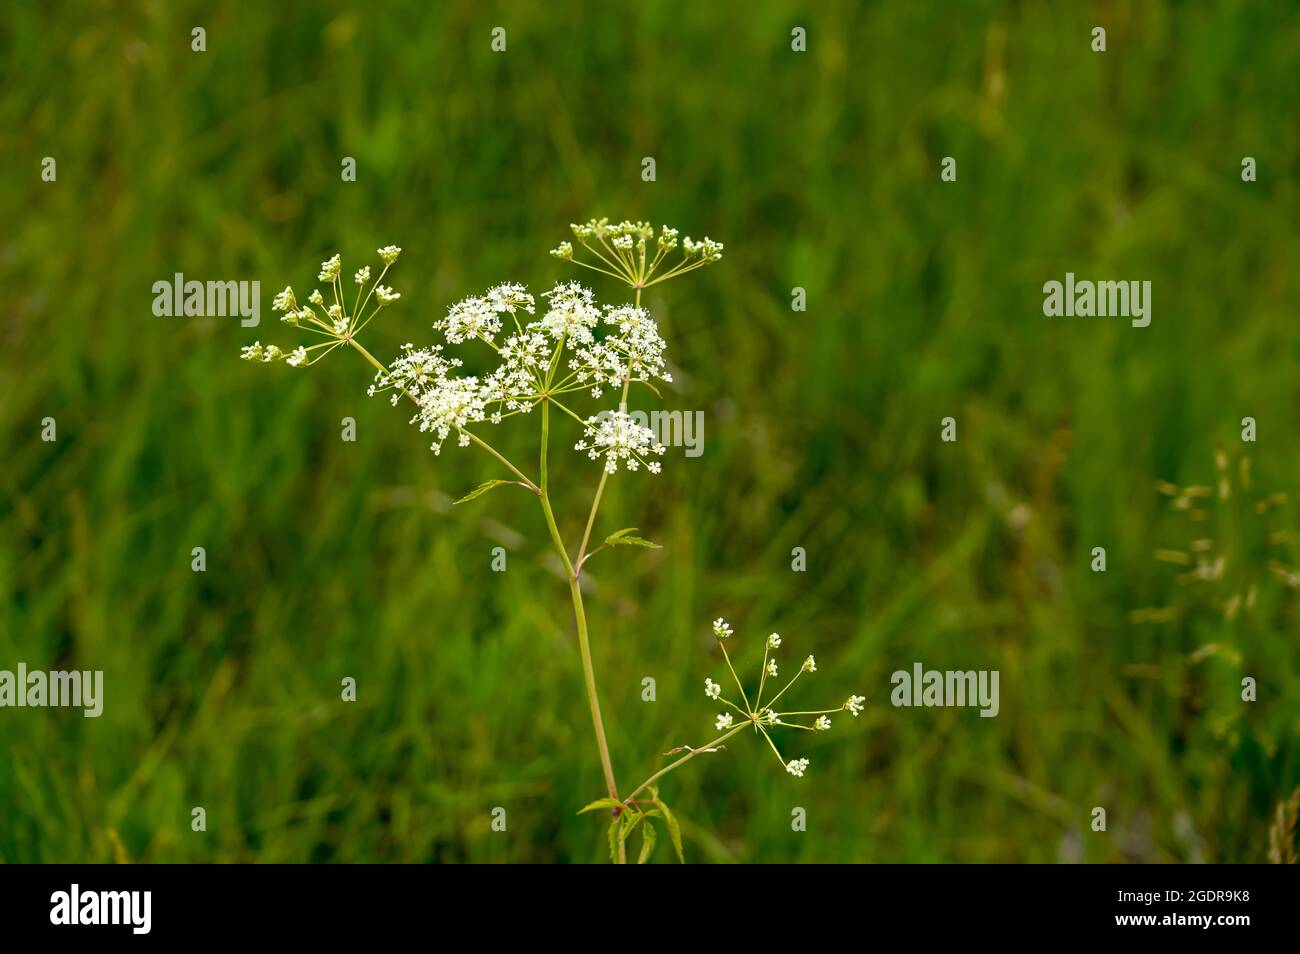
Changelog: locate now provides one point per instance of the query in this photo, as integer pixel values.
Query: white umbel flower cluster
(606, 346)
(479, 316)
(331, 321)
(452, 405)
(415, 372)
(763, 715)
(572, 314)
(576, 344)
(618, 438)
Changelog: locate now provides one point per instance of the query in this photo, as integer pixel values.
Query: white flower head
(712, 689)
(316, 298)
(284, 301)
(451, 404)
(854, 705)
(563, 251)
(329, 269)
(797, 767)
(363, 275)
(822, 724)
(479, 316)
(769, 717)
(771, 667)
(707, 249)
(617, 437)
(774, 641)
(572, 315)
(721, 628)
(388, 254)
(810, 665)
(724, 721)
(298, 358)
(386, 295)
(414, 371)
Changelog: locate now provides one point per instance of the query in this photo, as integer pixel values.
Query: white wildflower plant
(550, 350)
(760, 716)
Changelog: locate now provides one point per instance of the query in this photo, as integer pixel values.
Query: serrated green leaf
(615, 827)
(623, 538)
(600, 803)
(483, 488)
(674, 830)
(647, 842)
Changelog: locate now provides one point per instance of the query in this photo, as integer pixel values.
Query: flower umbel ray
(762, 715)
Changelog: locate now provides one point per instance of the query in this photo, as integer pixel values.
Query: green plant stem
(604, 476)
(579, 612)
(683, 760)
(580, 615)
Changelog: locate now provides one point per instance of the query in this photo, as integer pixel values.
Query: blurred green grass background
(820, 170)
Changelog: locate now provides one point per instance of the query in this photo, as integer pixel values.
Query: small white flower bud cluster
(333, 321)
(631, 252)
(763, 715)
(330, 268)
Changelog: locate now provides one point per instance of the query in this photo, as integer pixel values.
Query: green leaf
(615, 827)
(623, 538)
(600, 803)
(674, 830)
(647, 842)
(652, 388)
(483, 488)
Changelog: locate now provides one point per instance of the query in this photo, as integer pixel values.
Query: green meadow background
(820, 170)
